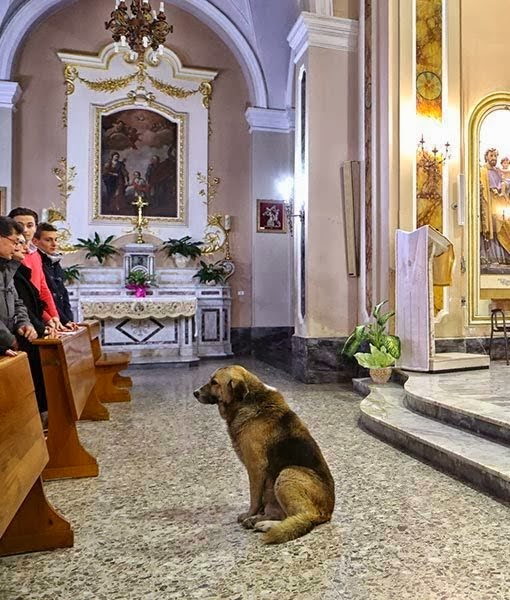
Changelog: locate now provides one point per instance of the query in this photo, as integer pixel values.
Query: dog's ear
(236, 390)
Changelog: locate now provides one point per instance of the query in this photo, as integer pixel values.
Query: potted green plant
(183, 250)
(71, 274)
(210, 273)
(384, 347)
(139, 282)
(97, 248)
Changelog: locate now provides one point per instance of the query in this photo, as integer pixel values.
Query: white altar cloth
(137, 308)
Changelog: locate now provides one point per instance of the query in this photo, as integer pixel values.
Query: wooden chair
(69, 381)
(499, 325)
(111, 386)
(28, 522)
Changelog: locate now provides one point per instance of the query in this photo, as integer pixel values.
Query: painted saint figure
(115, 180)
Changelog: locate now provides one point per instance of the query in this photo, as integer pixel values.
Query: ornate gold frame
(181, 119)
(478, 315)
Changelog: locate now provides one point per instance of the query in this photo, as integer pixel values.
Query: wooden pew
(28, 522)
(111, 386)
(69, 380)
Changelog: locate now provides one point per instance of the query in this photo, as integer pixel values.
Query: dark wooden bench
(69, 381)
(28, 522)
(111, 386)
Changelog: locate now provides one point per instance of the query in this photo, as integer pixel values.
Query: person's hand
(72, 326)
(28, 332)
(55, 323)
(50, 332)
(10, 352)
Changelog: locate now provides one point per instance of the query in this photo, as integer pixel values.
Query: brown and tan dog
(291, 487)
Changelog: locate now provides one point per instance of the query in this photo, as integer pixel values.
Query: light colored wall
(272, 282)
(40, 137)
(333, 138)
(348, 9)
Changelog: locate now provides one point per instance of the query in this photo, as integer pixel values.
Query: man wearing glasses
(13, 314)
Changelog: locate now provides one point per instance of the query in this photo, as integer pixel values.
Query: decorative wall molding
(33, 11)
(10, 93)
(268, 119)
(319, 31)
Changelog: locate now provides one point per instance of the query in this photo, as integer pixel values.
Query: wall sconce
(286, 190)
(430, 162)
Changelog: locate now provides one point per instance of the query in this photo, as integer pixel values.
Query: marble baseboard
(476, 345)
(271, 345)
(318, 360)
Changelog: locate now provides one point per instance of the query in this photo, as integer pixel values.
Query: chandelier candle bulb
(227, 222)
(161, 7)
(154, 14)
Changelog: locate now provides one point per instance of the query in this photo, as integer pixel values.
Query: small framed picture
(271, 216)
(3, 200)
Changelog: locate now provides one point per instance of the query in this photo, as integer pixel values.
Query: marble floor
(160, 520)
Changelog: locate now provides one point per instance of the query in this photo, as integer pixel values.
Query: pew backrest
(23, 452)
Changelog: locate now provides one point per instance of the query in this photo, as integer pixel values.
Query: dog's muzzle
(204, 397)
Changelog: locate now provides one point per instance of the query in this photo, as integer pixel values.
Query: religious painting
(271, 216)
(3, 200)
(140, 155)
(489, 208)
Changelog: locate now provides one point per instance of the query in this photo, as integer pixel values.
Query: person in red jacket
(29, 219)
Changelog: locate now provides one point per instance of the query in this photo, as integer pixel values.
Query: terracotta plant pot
(381, 375)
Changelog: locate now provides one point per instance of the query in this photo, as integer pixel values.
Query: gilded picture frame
(130, 143)
(488, 211)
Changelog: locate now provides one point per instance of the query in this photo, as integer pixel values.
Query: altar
(179, 322)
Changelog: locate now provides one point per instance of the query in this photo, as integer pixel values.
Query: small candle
(161, 7)
(122, 40)
(44, 215)
(117, 4)
(154, 13)
(227, 222)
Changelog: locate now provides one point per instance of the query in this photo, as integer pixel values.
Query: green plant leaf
(354, 341)
(392, 345)
(375, 358)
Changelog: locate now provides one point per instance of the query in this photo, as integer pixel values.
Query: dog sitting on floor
(291, 487)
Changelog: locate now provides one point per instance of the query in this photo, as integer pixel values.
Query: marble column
(10, 93)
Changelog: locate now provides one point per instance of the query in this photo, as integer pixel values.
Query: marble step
(480, 461)
(484, 410)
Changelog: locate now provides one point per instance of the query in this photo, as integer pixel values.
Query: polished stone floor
(160, 520)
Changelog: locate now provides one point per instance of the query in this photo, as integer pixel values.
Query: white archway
(34, 10)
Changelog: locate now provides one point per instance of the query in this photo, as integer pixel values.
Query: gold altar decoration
(210, 189)
(139, 309)
(217, 235)
(139, 222)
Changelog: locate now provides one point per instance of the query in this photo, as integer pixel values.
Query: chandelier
(143, 29)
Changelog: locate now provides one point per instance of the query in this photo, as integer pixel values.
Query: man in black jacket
(45, 238)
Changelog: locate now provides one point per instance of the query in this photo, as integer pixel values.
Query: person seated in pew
(14, 321)
(28, 219)
(46, 241)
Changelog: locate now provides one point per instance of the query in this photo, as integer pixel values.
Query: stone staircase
(459, 422)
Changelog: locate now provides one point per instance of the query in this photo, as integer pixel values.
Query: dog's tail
(291, 528)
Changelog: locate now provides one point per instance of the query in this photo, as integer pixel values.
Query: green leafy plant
(139, 277)
(210, 272)
(183, 246)
(97, 248)
(71, 274)
(375, 333)
(375, 359)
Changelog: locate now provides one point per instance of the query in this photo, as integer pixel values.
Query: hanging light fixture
(143, 29)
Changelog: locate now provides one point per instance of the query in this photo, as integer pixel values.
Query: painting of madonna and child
(494, 176)
(139, 157)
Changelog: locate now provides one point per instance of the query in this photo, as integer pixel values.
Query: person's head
(26, 217)
(491, 157)
(505, 161)
(21, 250)
(46, 238)
(9, 232)
(155, 159)
(115, 156)
(137, 174)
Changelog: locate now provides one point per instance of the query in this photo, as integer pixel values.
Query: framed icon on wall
(271, 216)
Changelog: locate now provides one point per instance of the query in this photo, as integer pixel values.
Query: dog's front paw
(243, 516)
(249, 522)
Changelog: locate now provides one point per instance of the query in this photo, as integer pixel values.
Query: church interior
(182, 163)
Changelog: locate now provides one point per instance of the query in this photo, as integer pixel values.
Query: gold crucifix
(140, 222)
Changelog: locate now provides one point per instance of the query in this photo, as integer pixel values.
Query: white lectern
(414, 319)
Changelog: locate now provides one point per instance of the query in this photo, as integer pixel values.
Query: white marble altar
(178, 322)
